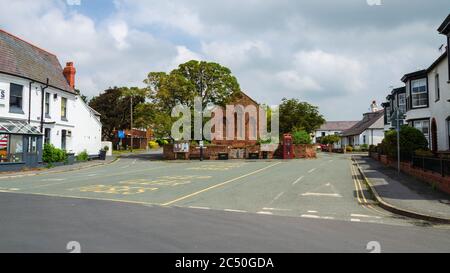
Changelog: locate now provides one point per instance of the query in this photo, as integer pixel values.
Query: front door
(434, 138)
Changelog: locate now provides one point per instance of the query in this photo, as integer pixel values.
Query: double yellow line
(362, 200)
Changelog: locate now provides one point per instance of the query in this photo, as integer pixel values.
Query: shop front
(20, 145)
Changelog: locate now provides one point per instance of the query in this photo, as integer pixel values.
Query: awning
(16, 127)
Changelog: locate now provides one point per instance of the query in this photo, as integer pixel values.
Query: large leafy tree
(114, 106)
(296, 115)
(212, 82)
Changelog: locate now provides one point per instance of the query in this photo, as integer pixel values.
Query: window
(364, 140)
(15, 96)
(47, 134)
(419, 93)
(323, 134)
(437, 88)
(63, 139)
(15, 148)
(402, 103)
(63, 108)
(424, 127)
(32, 144)
(47, 104)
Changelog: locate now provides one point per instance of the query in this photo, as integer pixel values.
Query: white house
(332, 128)
(368, 131)
(35, 89)
(428, 98)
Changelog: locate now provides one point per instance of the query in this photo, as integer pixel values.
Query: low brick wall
(432, 178)
(212, 152)
(305, 151)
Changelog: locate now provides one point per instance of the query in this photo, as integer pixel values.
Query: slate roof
(337, 125)
(22, 59)
(368, 120)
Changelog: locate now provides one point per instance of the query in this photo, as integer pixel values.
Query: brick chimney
(69, 73)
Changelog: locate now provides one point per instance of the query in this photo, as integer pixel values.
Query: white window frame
(416, 100)
(416, 123)
(402, 102)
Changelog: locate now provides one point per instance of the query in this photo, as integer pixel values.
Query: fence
(438, 165)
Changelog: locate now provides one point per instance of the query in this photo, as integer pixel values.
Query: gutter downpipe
(42, 104)
(29, 102)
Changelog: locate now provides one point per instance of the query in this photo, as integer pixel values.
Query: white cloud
(347, 54)
(119, 31)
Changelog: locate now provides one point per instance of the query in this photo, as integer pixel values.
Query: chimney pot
(69, 73)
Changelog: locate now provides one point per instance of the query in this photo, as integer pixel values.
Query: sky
(338, 55)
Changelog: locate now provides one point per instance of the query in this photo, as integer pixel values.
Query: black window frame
(47, 104)
(437, 88)
(64, 113)
(13, 108)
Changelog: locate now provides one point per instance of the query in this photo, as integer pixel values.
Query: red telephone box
(288, 148)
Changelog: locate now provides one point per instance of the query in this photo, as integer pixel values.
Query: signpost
(121, 136)
(397, 121)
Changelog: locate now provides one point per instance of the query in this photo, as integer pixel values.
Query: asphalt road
(137, 205)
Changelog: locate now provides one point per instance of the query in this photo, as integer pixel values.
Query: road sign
(121, 134)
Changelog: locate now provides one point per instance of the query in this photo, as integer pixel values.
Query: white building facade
(35, 89)
(428, 99)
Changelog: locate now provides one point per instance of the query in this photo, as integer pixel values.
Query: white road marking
(298, 180)
(53, 179)
(275, 209)
(355, 220)
(276, 198)
(310, 216)
(265, 212)
(312, 170)
(124, 167)
(364, 216)
(322, 194)
(204, 208)
(236, 210)
(312, 211)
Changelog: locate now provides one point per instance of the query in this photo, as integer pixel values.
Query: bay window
(402, 103)
(424, 127)
(419, 93)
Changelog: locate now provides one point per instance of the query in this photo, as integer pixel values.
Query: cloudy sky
(339, 55)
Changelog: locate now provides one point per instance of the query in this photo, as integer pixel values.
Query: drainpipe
(29, 102)
(42, 105)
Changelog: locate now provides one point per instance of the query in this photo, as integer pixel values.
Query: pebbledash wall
(82, 124)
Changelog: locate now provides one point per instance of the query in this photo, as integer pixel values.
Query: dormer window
(419, 93)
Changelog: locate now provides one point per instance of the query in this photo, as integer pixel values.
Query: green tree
(114, 106)
(330, 139)
(296, 115)
(301, 137)
(411, 140)
(212, 82)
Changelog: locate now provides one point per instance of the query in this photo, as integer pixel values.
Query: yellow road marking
(218, 185)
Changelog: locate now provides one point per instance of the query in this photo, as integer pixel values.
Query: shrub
(301, 137)
(424, 153)
(83, 156)
(330, 139)
(153, 145)
(364, 147)
(51, 154)
(349, 149)
(411, 140)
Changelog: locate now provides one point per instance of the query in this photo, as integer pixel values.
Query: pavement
(138, 204)
(59, 169)
(405, 194)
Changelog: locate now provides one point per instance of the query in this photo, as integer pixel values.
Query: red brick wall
(432, 178)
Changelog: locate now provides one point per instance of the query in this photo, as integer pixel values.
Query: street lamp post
(201, 116)
(131, 122)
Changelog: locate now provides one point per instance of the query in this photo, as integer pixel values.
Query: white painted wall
(81, 121)
(440, 110)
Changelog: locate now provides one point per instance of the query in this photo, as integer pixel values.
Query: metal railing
(432, 164)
